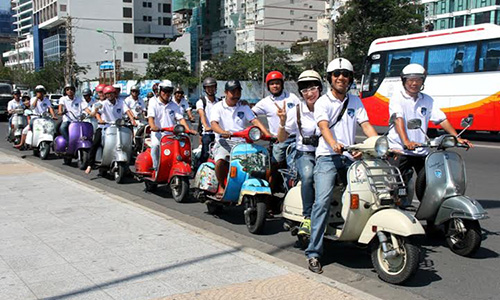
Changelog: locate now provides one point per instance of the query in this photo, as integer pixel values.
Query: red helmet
(274, 75)
(100, 87)
(109, 89)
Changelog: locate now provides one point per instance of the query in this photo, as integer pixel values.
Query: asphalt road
(442, 275)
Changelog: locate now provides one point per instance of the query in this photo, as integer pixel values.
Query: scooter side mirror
(414, 124)
(467, 121)
(392, 119)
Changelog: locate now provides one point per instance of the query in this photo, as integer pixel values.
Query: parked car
(54, 99)
(5, 96)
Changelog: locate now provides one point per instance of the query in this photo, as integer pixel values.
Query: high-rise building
(443, 14)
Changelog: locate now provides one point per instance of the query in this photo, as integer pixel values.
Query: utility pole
(331, 32)
(263, 61)
(69, 52)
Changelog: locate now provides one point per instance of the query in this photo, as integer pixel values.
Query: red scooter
(174, 165)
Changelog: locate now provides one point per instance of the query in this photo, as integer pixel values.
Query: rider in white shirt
(183, 103)
(134, 102)
(410, 103)
(74, 107)
(162, 112)
(228, 116)
(12, 105)
(204, 107)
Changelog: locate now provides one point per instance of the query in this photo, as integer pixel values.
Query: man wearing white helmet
(118, 89)
(410, 103)
(162, 112)
(337, 115)
(133, 101)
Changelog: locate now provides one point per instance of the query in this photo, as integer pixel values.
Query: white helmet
(339, 64)
(413, 70)
(309, 75)
(117, 86)
(166, 85)
(39, 88)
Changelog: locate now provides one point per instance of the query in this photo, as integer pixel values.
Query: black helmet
(231, 85)
(178, 89)
(149, 95)
(86, 92)
(16, 92)
(209, 81)
(69, 86)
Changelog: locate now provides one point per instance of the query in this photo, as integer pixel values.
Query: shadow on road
(489, 204)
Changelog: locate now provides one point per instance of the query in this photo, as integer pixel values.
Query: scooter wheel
(67, 160)
(463, 236)
(83, 156)
(400, 267)
(255, 214)
(44, 150)
(180, 188)
(120, 172)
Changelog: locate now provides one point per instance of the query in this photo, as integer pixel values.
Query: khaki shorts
(222, 149)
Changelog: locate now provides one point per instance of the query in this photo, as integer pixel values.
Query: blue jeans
(64, 130)
(305, 162)
(325, 171)
(279, 150)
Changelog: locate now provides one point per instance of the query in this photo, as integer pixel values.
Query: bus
(463, 73)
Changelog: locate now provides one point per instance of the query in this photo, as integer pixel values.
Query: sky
(4, 4)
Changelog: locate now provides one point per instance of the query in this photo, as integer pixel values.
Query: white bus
(463, 66)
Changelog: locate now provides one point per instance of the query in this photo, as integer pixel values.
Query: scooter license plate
(402, 192)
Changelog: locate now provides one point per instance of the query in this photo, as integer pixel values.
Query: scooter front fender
(83, 144)
(461, 207)
(180, 168)
(254, 186)
(393, 221)
(120, 156)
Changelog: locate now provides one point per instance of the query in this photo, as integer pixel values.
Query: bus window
(490, 56)
(397, 60)
(451, 59)
(372, 76)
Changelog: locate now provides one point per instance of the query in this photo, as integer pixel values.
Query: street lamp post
(113, 41)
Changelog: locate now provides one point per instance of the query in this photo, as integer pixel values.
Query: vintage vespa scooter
(116, 150)
(440, 187)
(41, 137)
(365, 212)
(80, 141)
(18, 122)
(174, 165)
(246, 183)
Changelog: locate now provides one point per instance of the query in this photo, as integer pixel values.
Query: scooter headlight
(178, 129)
(448, 142)
(382, 146)
(254, 134)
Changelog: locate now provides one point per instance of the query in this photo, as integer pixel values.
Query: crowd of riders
(319, 120)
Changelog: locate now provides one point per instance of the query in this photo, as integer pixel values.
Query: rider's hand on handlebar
(226, 134)
(155, 128)
(338, 148)
(411, 145)
(465, 142)
(357, 154)
(192, 131)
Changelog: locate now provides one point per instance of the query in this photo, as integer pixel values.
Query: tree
(317, 57)
(248, 66)
(366, 20)
(169, 64)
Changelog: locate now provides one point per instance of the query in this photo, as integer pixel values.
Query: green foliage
(248, 66)
(366, 20)
(317, 58)
(169, 64)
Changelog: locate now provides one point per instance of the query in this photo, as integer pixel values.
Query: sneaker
(305, 227)
(314, 265)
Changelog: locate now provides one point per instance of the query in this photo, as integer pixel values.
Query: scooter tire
(400, 269)
(255, 214)
(470, 240)
(67, 160)
(120, 172)
(103, 172)
(179, 186)
(83, 156)
(420, 184)
(36, 152)
(44, 150)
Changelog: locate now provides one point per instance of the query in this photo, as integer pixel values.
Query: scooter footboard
(254, 186)
(461, 207)
(393, 221)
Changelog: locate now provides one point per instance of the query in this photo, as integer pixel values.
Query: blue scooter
(247, 180)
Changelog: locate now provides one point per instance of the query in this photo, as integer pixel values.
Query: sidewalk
(60, 239)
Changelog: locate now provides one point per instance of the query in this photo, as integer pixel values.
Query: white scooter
(41, 137)
(365, 212)
(18, 122)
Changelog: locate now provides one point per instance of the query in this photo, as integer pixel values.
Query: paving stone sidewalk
(60, 239)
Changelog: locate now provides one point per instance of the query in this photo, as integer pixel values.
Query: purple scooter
(80, 141)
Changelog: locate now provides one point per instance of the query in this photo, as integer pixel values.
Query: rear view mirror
(467, 122)
(392, 119)
(414, 124)
(138, 109)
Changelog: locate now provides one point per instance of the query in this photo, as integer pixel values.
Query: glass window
(482, 18)
(397, 60)
(127, 27)
(167, 8)
(127, 1)
(490, 56)
(144, 4)
(127, 12)
(128, 57)
(451, 59)
(145, 55)
(167, 22)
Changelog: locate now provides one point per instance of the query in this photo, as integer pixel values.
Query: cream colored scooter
(365, 212)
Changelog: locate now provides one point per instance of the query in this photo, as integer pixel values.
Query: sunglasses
(343, 72)
(134, 91)
(309, 90)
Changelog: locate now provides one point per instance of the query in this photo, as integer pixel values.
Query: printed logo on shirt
(423, 110)
(183, 106)
(75, 104)
(289, 105)
(350, 112)
(171, 113)
(44, 104)
(240, 114)
(118, 110)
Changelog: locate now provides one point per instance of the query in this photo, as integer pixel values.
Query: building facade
(444, 14)
(22, 20)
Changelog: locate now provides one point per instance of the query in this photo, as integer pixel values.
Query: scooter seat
(147, 142)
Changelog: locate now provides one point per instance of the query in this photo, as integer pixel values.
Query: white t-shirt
(183, 105)
(74, 107)
(41, 106)
(91, 103)
(132, 104)
(208, 108)
(231, 118)
(267, 107)
(165, 115)
(355, 114)
(406, 107)
(13, 104)
(326, 108)
(308, 125)
(110, 112)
